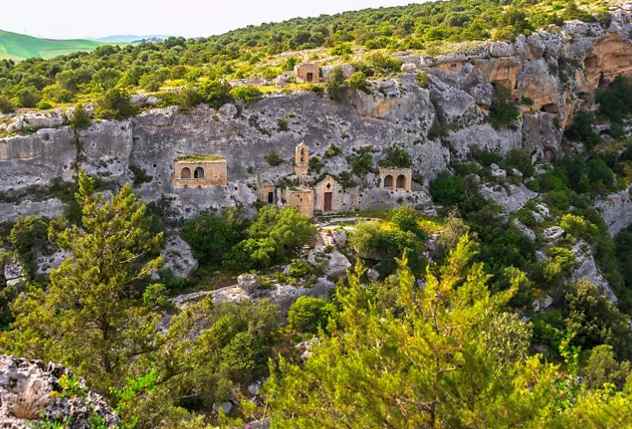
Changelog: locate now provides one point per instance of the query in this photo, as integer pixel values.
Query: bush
(6, 106)
(212, 236)
(274, 236)
(315, 165)
(308, 314)
(383, 64)
(216, 92)
(358, 81)
(28, 97)
(189, 97)
(80, 119)
(581, 130)
(396, 157)
(273, 158)
(332, 151)
(29, 236)
(361, 163)
(521, 161)
(115, 104)
(615, 100)
(422, 79)
(503, 111)
(246, 94)
(336, 87)
(447, 189)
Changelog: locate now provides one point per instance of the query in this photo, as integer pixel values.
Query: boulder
(510, 197)
(553, 233)
(616, 210)
(179, 256)
(31, 395)
(248, 282)
(586, 269)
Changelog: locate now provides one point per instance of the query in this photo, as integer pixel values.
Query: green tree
(308, 314)
(6, 106)
(211, 236)
(91, 317)
(274, 236)
(80, 119)
(115, 104)
(439, 356)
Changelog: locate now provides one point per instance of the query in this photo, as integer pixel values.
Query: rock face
(556, 72)
(31, 395)
(587, 269)
(616, 210)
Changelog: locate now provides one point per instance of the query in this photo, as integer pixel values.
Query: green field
(20, 47)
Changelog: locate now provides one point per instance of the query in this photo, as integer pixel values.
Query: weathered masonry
(302, 199)
(301, 160)
(200, 171)
(307, 72)
(396, 179)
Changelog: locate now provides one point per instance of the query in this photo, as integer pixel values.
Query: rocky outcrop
(32, 394)
(616, 210)
(552, 74)
(586, 269)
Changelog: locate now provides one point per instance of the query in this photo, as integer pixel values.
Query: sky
(63, 19)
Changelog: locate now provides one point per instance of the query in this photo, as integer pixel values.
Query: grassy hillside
(366, 38)
(20, 47)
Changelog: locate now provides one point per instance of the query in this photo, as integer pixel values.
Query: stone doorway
(328, 203)
(270, 197)
(309, 77)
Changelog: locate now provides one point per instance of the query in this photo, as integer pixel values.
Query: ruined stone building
(307, 72)
(396, 179)
(266, 192)
(302, 199)
(200, 171)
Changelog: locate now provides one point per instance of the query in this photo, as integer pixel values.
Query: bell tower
(301, 160)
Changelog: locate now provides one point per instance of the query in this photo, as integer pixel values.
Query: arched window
(302, 155)
(401, 182)
(185, 173)
(388, 181)
(199, 173)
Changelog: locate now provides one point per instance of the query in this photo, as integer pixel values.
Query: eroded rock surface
(31, 395)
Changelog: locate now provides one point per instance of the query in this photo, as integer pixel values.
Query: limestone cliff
(554, 73)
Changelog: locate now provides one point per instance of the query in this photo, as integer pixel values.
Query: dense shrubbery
(211, 236)
(504, 111)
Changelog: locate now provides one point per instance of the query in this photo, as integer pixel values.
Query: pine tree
(91, 317)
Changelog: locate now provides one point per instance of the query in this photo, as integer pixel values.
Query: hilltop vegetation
(256, 51)
(16, 47)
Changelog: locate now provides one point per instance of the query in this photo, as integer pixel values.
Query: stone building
(266, 192)
(301, 160)
(329, 195)
(200, 171)
(307, 72)
(396, 179)
(302, 199)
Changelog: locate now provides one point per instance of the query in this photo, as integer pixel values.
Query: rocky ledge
(33, 394)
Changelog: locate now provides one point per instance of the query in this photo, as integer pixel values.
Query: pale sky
(190, 18)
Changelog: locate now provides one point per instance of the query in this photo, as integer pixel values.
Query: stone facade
(302, 199)
(266, 193)
(307, 72)
(301, 160)
(328, 195)
(200, 173)
(396, 179)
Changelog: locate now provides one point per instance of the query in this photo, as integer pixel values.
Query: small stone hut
(200, 171)
(307, 72)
